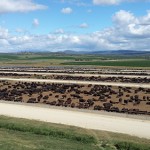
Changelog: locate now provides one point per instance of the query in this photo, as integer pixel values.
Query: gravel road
(78, 82)
(135, 127)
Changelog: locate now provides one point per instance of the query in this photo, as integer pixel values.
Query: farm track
(134, 127)
(77, 75)
(78, 82)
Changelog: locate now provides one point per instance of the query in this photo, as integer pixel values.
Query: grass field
(22, 134)
(127, 63)
(61, 59)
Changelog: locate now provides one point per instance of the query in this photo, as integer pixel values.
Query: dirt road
(135, 127)
(83, 75)
(78, 82)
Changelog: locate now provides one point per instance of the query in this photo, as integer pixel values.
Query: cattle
(97, 97)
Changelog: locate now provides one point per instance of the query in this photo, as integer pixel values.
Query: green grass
(48, 57)
(8, 57)
(10, 140)
(62, 59)
(41, 130)
(23, 134)
(43, 56)
(130, 146)
(127, 63)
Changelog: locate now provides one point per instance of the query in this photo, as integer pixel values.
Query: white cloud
(11, 6)
(67, 10)
(146, 19)
(123, 17)
(59, 31)
(106, 2)
(35, 22)
(3, 42)
(115, 2)
(127, 33)
(74, 2)
(130, 26)
(3, 33)
(21, 31)
(83, 25)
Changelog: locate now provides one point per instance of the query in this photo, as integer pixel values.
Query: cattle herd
(79, 70)
(118, 99)
(99, 78)
(79, 78)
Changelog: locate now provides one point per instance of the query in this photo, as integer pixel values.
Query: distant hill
(72, 52)
(109, 52)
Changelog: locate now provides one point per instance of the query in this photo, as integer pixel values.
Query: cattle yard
(99, 97)
(79, 77)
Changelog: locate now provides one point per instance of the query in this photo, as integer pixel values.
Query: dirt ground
(84, 91)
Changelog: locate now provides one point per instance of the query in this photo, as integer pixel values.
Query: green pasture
(23, 134)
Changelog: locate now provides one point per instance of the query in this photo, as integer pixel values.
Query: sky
(80, 25)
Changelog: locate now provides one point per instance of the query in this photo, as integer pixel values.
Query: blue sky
(55, 25)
